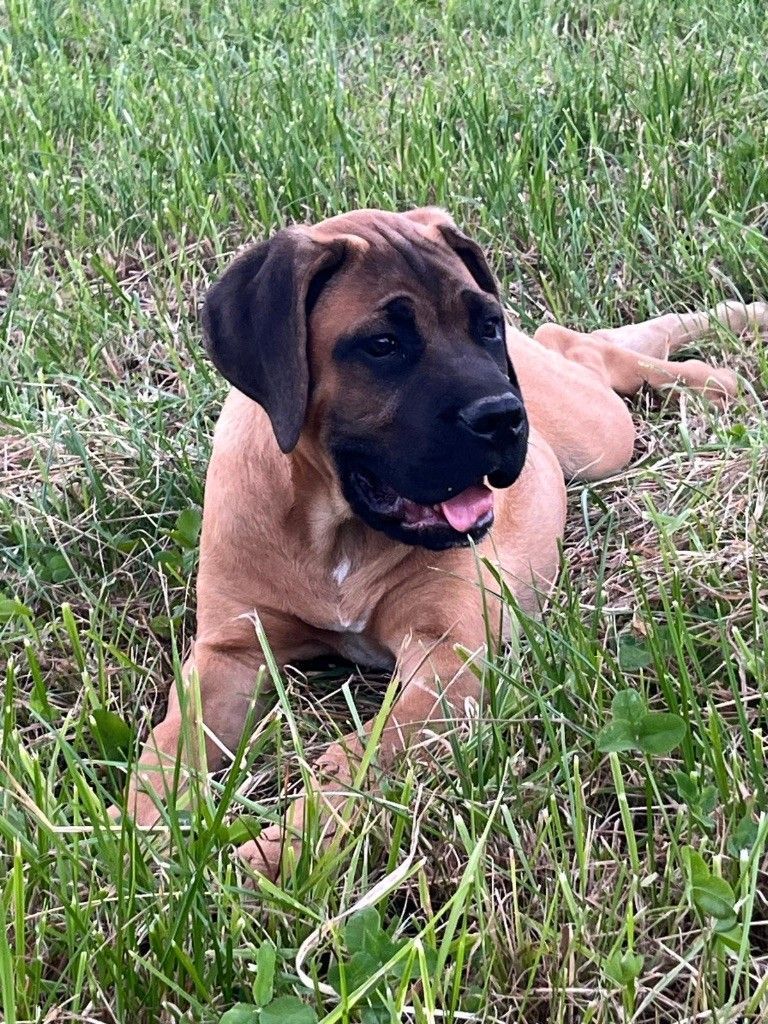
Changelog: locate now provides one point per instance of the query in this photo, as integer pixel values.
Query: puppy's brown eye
(383, 345)
(491, 330)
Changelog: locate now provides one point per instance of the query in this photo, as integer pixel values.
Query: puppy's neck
(321, 517)
(319, 512)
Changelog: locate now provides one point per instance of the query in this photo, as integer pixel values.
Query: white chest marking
(341, 571)
(348, 625)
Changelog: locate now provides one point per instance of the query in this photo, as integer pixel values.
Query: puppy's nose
(495, 418)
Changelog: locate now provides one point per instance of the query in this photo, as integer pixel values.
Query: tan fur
(280, 541)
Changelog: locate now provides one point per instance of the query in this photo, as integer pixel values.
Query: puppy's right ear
(255, 324)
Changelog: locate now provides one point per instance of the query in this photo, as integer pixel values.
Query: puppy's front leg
(438, 690)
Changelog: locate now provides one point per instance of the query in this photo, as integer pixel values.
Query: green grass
(613, 158)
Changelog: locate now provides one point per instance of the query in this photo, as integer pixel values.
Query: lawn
(612, 157)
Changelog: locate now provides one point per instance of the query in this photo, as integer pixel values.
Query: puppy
(386, 426)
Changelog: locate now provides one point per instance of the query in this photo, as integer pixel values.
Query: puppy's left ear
(472, 256)
(468, 251)
(255, 324)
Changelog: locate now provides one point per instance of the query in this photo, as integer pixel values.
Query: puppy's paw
(757, 316)
(716, 383)
(743, 319)
(263, 856)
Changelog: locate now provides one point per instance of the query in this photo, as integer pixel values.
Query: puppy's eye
(382, 345)
(491, 330)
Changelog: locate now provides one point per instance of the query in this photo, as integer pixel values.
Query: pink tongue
(467, 508)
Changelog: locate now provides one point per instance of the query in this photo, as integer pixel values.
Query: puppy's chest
(344, 615)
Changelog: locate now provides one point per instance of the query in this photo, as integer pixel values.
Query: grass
(613, 158)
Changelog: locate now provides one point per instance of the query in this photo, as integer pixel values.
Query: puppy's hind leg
(626, 358)
(664, 335)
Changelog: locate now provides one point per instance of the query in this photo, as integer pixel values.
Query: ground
(613, 160)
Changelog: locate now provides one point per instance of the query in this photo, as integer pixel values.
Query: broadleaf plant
(634, 727)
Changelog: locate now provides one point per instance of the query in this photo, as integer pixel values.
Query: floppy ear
(255, 324)
(468, 251)
(472, 256)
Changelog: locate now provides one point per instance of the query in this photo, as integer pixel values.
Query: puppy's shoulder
(242, 424)
(246, 460)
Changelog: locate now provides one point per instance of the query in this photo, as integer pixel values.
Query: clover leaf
(710, 895)
(634, 727)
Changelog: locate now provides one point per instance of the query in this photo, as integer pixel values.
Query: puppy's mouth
(460, 517)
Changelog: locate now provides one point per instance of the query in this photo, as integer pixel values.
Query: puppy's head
(381, 336)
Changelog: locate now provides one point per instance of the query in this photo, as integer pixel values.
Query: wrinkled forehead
(388, 255)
